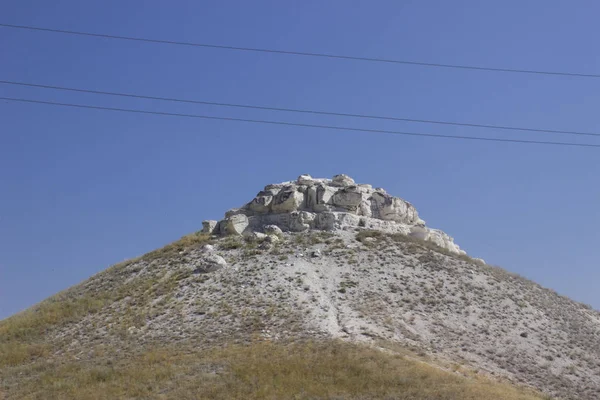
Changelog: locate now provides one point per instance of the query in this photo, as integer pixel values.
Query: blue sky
(83, 189)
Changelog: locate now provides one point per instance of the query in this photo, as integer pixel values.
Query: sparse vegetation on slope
(185, 243)
(362, 286)
(22, 335)
(306, 370)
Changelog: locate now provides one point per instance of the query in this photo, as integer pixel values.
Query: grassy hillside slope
(316, 315)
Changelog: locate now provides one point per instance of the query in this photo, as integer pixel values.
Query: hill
(264, 304)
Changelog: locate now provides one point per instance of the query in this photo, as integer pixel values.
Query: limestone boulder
(262, 202)
(258, 236)
(302, 188)
(269, 242)
(209, 226)
(342, 180)
(324, 196)
(391, 208)
(274, 188)
(419, 232)
(438, 237)
(235, 224)
(347, 220)
(207, 248)
(287, 200)
(364, 208)
(310, 198)
(209, 262)
(305, 180)
(234, 211)
(272, 230)
(272, 239)
(349, 198)
(301, 221)
(325, 221)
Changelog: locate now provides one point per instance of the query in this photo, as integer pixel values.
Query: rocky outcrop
(327, 204)
(209, 262)
(234, 225)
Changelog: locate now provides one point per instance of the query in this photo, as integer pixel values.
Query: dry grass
(186, 242)
(312, 370)
(21, 336)
(412, 242)
(30, 367)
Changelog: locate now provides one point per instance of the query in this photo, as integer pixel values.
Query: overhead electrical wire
(314, 126)
(304, 53)
(295, 110)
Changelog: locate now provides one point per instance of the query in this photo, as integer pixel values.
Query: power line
(332, 127)
(305, 111)
(308, 54)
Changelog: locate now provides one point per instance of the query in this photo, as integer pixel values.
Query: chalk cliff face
(327, 204)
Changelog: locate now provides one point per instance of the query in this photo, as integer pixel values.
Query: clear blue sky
(83, 189)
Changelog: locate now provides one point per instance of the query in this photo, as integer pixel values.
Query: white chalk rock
(272, 230)
(209, 263)
(305, 180)
(349, 197)
(236, 224)
(342, 180)
(287, 200)
(327, 204)
(209, 226)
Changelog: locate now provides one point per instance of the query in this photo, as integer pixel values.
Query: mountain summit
(310, 269)
(330, 205)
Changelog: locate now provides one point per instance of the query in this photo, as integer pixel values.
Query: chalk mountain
(305, 261)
